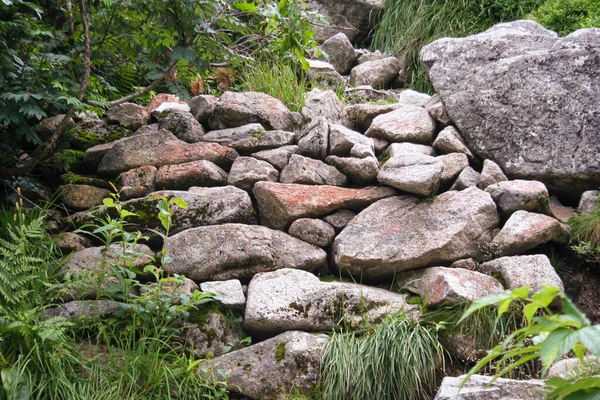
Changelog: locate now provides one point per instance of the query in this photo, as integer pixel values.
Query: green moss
(499, 278)
(257, 134)
(246, 367)
(67, 160)
(301, 309)
(280, 351)
(414, 300)
(84, 180)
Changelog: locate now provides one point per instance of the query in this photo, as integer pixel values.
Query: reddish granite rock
(193, 173)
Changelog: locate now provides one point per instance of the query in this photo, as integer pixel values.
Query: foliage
(586, 234)
(278, 79)
(547, 336)
(566, 16)
(407, 26)
(394, 360)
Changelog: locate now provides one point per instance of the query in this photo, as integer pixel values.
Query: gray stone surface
(341, 53)
(515, 94)
(183, 125)
(376, 73)
(588, 201)
(246, 171)
(69, 242)
(96, 259)
(571, 368)
(313, 138)
(454, 164)
(236, 109)
(235, 251)
(250, 138)
(325, 104)
(291, 361)
(397, 149)
(84, 308)
(324, 73)
(402, 233)
(416, 174)
(450, 141)
(309, 171)
(339, 219)
(342, 140)
(362, 171)
(279, 157)
(193, 173)
(405, 124)
(435, 108)
(81, 197)
(533, 271)
(363, 114)
(213, 336)
(411, 97)
(290, 299)
(279, 204)
(466, 179)
(202, 107)
(511, 196)
(313, 231)
(478, 387)
(129, 115)
(490, 173)
(229, 293)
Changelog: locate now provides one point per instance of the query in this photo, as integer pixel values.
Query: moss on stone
(90, 180)
(67, 160)
(280, 351)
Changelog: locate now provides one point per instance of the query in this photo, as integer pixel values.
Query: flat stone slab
(229, 293)
(533, 271)
(478, 387)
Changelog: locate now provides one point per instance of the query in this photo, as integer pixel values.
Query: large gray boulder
(290, 299)
(511, 196)
(193, 173)
(363, 114)
(341, 53)
(324, 74)
(129, 115)
(235, 251)
(183, 125)
(377, 73)
(279, 157)
(402, 233)
(405, 124)
(249, 138)
(325, 104)
(246, 171)
(519, 98)
(478, 387)
(416, 174)
(271, 369)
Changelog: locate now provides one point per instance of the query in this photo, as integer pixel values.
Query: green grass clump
(566, 16)
(406, 26)
(586, 234)
(278, 79)
(397, 359)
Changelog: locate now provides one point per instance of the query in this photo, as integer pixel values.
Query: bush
(566, 16)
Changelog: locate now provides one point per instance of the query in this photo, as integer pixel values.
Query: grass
(586, 234)
(397, 359)
(406, 26)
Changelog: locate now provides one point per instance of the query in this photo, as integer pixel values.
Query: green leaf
(124, 214)
(590, 338)
(179, 202)
(246, 7)
(108, 202)
(552, 345)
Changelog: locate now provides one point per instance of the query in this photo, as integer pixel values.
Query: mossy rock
(90, 180)
(65, 161)
(89, 134)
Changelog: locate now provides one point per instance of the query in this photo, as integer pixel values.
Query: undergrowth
(586, 234)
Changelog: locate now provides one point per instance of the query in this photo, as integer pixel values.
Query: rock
(236, 251)
(342, 140)
(362, 151)
(363, 114)
(490, 174)
(88, 134)
(402, 149)
(466, 263)
(380, 145)
(177, 287)
(367, 55)
(81, 197)
(362, 171)
(589, 201)
(313, 139)
(572, 368)
(183, 125)
(341, 53)
(524, 231)
(213, 336)
(291, 299)
(47, 126)
(69, 242)
(411, 97)
(236, 109)
(170, 100)
(308, 171)
(129, 115)
(560, 212)
(402, 233)
(376, 73)
(94, 155)
(529, 109)
(511, 196)
(84, 308)
(290, 360)
(228, 293)
(193, 173)
(339, 219)
(324, 73)
(313, 231)
(168, 107)
(202, 107)
(246, 171)
(466, 179)
(533, 271)
(440, 286)
(454, 164)
(161, 149)
(279, 204)
(279, 157)
(450, 141)
(406, 124)
(249, 138)
(137, 182)
(436, 109)
(325, 104)
(417, 174)
(478, 387)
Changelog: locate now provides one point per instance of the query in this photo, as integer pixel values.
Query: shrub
(586, 234)
(566, 16)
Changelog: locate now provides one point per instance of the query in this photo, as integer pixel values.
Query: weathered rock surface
(588, 201)
(401, 233)
(524, 231)
(325, 104)
(291, 361)
(447, 286)
(375, 73)
(183, 125)
(416, 174)
(186, 175)
(324, 73)
(362, 171)
(229, 293)
(572, 368)
(212, 336)
(466, 179)
(162, 148)
(490, 174)
(478, 387)
(341, 53)
(128, 115)
(533, 271)
(234, 251)
(363, 114)
(236, 109)
(250, 138)
(82, 197)
(313, 231)
(511, 196)
(436, 109)
(339, 219)
(246, 171)
(279, 204)
(560, 212)
(280, 157)
(69, 242)
(406, 124)
(411, 97)
(342, 140)
(202, 107)
(308, 171)
(519, 66)
(137, 182)
(290, 299)
(398, 149)
(313, 138)
(84, 308)
(96, 259)
(454, 164)
(450, 141)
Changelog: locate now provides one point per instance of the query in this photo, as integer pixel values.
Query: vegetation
(586, 234)
(547, 336)
(566, 16)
